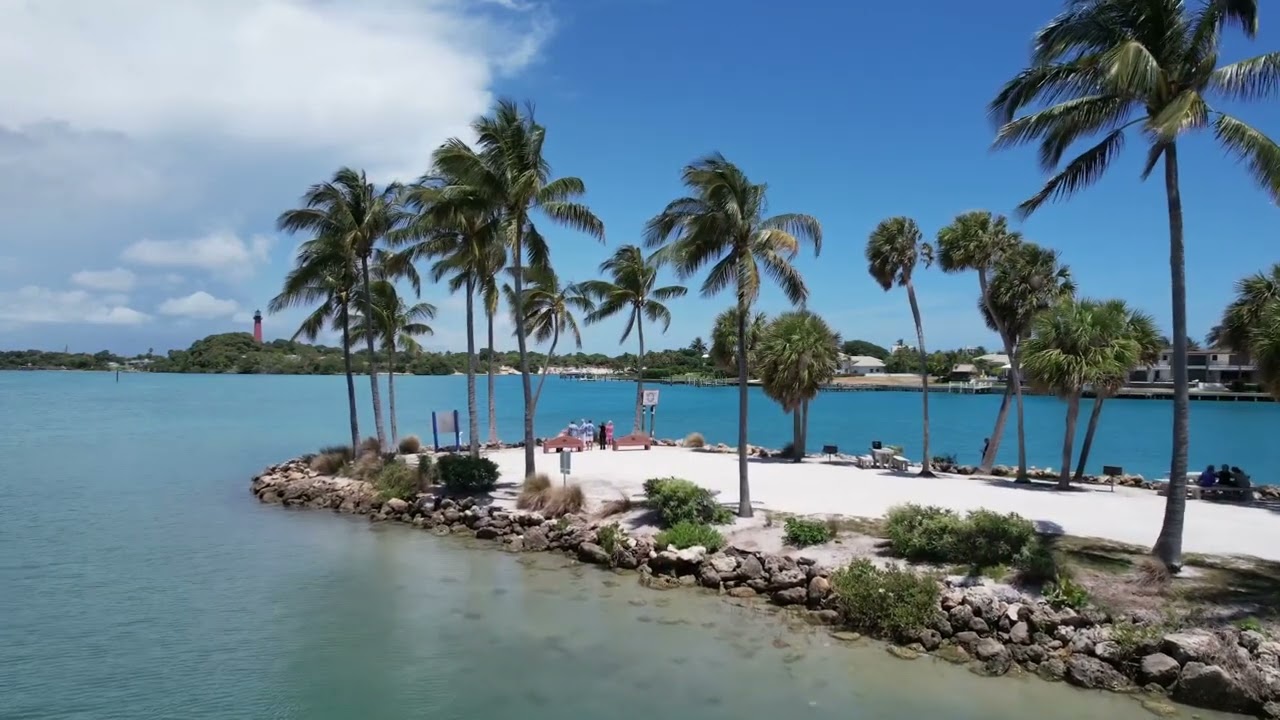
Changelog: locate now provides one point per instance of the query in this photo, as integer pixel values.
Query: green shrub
(463, 474)
(610, 537)
(396, 480)
(1037, 563)
(1133, 639)
(803, 533)
(410, 445)
(1251, 623)
(695, 440)
(686, 534)
(980, 539)
(427, 473)
(922, 534)
(678, 500)
(1065, 592)
(893, 601)
(990, 538)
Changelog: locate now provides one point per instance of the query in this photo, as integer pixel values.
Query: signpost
(649, 399)
(566, 462)
(446, 422)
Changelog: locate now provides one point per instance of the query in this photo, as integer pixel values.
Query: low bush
(695, 440)
(803, 533)
(410, 445)
(990, 538)
(678, 501)
(463, 474)
(427, 472)
(1037, 563)
(686, 534)
(1065, 592)
(329, 463)
(396, 480)
(1251, 623)
(980, 539)
(610, 537)
(892, 601)
(922, 533)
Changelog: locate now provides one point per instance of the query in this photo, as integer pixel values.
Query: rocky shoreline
(994, 630)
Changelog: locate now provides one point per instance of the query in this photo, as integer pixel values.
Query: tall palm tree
(724, 339)
(722, 223)
(798, 354)
(396, 325)
(360, 216)
(1105, 66)
(894, 249)
(324, 276)
(1251, 324)
(549, 309)
(508, 171)
(489, 291)
(631, 290)
(698, 346)
(977, 241)
(1139, 328)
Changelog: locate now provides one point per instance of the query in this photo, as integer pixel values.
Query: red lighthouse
(257, 326)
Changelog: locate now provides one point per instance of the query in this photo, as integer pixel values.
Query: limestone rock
(708, 576)
(486, 533)
(791, 596)
(819, 588)
(787, 578)
(930, 640)
(1052, 669)
(960, 616)
(592, 553)
(1158, 668)
(1209, 686)
(979, 626)
(994, 656)
(750, 568)
(967, 639)
(535, 540)
(691, 555)
(1020, 634)
(741, 592)
(1108, 651)
(902, 653)
(1094, 674)
(1251, 640)
(846, 636)
(1188, 647)
(723, 564)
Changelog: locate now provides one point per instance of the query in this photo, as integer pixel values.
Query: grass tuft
(695, 440)
(616, 507)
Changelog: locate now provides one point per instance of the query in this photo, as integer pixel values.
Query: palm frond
(1252, 79)
(1080, 173)
(1257, 151)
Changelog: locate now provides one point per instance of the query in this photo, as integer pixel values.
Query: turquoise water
(140, 579)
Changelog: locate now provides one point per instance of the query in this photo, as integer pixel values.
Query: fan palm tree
(724, 339)
(1251, 324)
(977, 241)
(1135, 326)
(722, 223)
(894, 249)
(507, 170)
(396, 325)
(698, 346)
(1105, 66)
(360, 216)
(549, 309)
(631, 290)
(323, 276)
(798, 354)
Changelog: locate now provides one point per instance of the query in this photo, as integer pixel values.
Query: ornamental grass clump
(695, 440)
(410, 445)
(538, 495)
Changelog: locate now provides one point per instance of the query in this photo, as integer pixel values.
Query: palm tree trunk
(639, 419)
(1168, 545)
(1002, 416)
(804, 428)
(989, 457)
(1015, 367)
(1069, 440)
(493, 403)
(925, 462)
(551, 351)
(1088, 435)
(473, 422)
(351, 380)
(373, 366)
(522, 345)
(744, 486)
(797, 434)
(391, 394)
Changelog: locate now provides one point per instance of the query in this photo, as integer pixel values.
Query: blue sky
(142, 166)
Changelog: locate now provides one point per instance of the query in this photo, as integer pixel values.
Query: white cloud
(198, 304)
(33, 305)
(115, 279)
(220, 253)
(409, 73)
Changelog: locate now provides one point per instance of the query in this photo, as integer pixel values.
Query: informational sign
(446, 422)
(650, 398)
(566, 462)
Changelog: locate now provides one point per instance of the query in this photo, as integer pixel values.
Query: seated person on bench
(1207, 478)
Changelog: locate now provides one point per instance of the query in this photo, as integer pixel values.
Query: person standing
(588, 434)
(600, 436)
(608, 433)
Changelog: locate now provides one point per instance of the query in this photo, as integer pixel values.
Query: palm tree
(1139, 328)
(722, 223)
(724, 339)
(324, 276)
(509, 173)
(360, 216)
(549, 313)
(489, 294)
(395, 324)
(698, 346)
(977, 241)
(894, 249)
(1251, 324)
(1109, 65)
(632, 291)
(798, 355)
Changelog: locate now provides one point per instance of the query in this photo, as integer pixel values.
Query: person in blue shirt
(1208, 477)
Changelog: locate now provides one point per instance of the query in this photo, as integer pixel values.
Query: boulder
(1052, 669)
(1209, 686)
(984, 602)
(486, 533)
(708, 577)
(902, 653)
(1188, 647)
(819, 588)
(960, 616)
(625, 559)
(787, 578)
(1083, 642)
(822, 617)
(1251, 640)
(1020, 634)
(930, 640)
(994, 656)
(967, 639)
(979, 626)
(724, 565)
(750, 568)
(1158, 668)
(942, 625)
(1094, 674)
(535, 540)
(1109, 651)
(741, 592)
(592, 553)
(846, 636)
(691, 555)
(791, 596)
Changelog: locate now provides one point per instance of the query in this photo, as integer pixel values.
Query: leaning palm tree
(1106, 66)
(549, 309)
(631, 290)
(1139, 328)
(396, 325)
(724, 339)
(978, 241)
(360, 216)
(1251, 324)
(798, 354)
(324, 276)
(507, 170)
(894, 249)
(489, 291)
(722, 223)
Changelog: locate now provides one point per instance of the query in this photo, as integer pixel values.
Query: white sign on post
(650, 398)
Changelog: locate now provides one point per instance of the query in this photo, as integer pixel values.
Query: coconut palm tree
(1251, 323)
(549, 309)
(1107, 66)
(722, 223)
(698, 346)
(360, 216)
(631, 290)
(894, 249)
(507, 170)
(489, 295)
(798, 354)
(977, 241)
(396, 325)
(1138, 327)
(724, 339)
(324, 276)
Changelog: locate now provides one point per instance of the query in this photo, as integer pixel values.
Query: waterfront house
(1213, 365)
(859, 365)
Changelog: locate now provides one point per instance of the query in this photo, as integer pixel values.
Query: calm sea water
(140, 579)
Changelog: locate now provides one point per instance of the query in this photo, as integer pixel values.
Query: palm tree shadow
(1034, 486)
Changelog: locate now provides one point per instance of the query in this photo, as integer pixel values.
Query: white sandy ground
(816, 487)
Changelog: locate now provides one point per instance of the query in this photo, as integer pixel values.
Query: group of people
(1226, 476)
(590, 433)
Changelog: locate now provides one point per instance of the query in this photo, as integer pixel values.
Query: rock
(687, 581)
(1082, 643)
(994, 657)
(396, 505)
(750, 568)
(1271, 710)
(1094, 674)
(1064, 634)
(953, 654)
(960, 616)
(1209, 686)
(787, 578)
(1015, 612)
(1108, 651)
(942, 625)
(535, 540)
(691, 555)
(822, 617)
(979, 626)
(819, 588)
(930, 640)
(1251, 640)
(1158, 668)
(1188, 647)
(984, 602)
(952, 598)
(967, 639)
(1044, 619)
(1020, 634)
(625, 559)
(592, 553)
(708, 577)
(902, 653)
(514, 544)
(741, 592)
(486, 533)
(723, 564)
(1159, 708)
(1052, 669)
(846, 636)
(451, 515)
(791, 596)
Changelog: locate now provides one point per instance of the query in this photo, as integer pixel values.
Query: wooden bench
(563, 442)
(1227, 492)
(633, 440)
